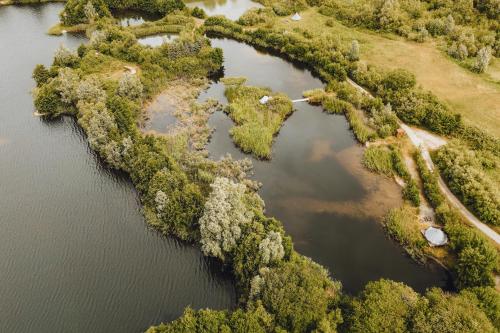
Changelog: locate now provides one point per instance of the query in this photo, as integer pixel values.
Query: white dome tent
(296, 17)
(264, 100)
(435, 236)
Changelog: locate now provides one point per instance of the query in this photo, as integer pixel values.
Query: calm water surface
(75, 253)
(315, 183)
(232, 9)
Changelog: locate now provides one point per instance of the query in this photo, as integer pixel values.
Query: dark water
(232, 9)
(315, 183)
(75, 253)
(130, 18)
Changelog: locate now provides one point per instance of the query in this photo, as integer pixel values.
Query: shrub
(402, 224)
(462, 170)
(198, 13)
(378, 159)
(41, 75)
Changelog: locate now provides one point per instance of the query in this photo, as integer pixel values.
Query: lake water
(232, 9)
(315, 183)
(157, 40)
(75, 252)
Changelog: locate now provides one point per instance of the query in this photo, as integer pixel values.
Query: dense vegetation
(468, 28)
(477, 259)
(257, 123)
(466, 173)
(77, 11)
(212, 204)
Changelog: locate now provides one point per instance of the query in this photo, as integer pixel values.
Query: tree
(68, 82)
(65, 57)
(90, 12)
(225, 213)
(299, 294)
(271, 248)
(353, 54)
(483, 59)
(474, 268)
(383, 306)
(447, 313)
(41, 75)
(130, 86)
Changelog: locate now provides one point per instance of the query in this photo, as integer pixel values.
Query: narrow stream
(315, 183)
(75, 252)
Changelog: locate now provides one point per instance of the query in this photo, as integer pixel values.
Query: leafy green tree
(383, 306)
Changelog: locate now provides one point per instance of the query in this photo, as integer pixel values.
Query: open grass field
(476, 97)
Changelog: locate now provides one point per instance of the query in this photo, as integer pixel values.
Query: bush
(41, 75)
(378, 159)
(402, 224)
(198, 13)
(462, 170)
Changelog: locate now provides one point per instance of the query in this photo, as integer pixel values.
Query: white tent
(264, 100)
(435, 236)
(296, 17)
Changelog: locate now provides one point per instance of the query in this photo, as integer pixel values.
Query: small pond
(157, 40)
(232, 9)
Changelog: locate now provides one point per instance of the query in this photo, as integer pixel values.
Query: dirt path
(424, 146)
(425, 141)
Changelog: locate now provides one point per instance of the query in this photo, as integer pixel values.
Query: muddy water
(75, 253)
(315, 183)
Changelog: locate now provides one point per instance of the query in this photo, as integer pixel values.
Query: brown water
(232, 9)
(315, 183)
(75, 253)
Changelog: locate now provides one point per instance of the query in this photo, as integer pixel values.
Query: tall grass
(256, 123)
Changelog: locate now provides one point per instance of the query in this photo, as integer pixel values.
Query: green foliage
(383, 306)
(462, 170)
(429, 180)
(489, 302)
(41, 75)
(477, 259)
(178, 203)
(387, 306)
(378, 159)
(411, 193)
(198, 13)
(256, 123)
(402, 224)
(74, 10)
(48, 101)
(299, 294)
(441, 312)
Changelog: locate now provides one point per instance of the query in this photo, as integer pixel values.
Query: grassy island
(257, 122)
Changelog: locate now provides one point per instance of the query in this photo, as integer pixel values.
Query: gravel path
(425, 141)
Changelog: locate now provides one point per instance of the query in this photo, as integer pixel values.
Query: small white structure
(435, 236)
(296, 17)
(264, 100)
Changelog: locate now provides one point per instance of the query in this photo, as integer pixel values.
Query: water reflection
(315, 183)
(157, 40)
(232, 9)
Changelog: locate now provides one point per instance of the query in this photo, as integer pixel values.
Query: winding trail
(424, 141)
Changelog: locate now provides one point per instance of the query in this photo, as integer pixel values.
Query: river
(75, 252)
